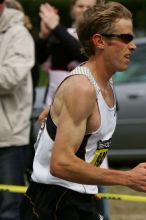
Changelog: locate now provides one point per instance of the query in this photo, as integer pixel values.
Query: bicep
(72, 120)
(69, 133)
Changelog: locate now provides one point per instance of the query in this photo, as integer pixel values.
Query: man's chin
(123, 68)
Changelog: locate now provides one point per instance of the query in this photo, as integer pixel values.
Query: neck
(99, 70)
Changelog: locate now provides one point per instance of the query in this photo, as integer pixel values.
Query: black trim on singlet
(81, 151)
(52, 129)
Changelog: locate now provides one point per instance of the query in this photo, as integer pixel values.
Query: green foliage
(43, 80)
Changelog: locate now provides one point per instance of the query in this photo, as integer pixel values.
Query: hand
(49, 16)
(43, 115)
(138, 177)
(44, 30)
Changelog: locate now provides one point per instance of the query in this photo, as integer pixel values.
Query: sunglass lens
(126, 38)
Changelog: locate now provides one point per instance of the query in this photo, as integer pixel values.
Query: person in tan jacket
(16, 61)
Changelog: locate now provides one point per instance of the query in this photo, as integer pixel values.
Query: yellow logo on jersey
(99, 157)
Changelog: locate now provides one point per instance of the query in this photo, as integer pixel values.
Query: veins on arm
(71, 127)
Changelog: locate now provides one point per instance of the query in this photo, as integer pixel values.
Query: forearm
(13, 75)
(71, 130)
(77, 170)
(69, 42)
(42, 50)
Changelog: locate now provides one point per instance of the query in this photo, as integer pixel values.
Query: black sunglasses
(126, 38)
(1, 1)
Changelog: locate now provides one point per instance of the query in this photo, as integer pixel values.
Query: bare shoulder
(79, 96)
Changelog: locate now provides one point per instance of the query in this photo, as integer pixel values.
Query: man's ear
(98, 41)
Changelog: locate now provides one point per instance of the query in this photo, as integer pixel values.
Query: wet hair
(101, 18)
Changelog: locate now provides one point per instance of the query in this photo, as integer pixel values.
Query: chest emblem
(101, 151)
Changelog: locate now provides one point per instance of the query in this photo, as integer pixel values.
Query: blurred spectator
(16, 61)
(28, 24)
(58, 45)
(35, 79)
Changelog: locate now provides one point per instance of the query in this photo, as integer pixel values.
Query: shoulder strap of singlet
(82, 70)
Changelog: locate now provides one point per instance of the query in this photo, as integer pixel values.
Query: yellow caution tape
(128, 198)
(13, 188)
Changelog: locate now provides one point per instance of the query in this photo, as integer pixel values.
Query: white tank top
(93, 148)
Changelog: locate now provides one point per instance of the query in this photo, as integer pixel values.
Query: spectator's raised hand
(44, 30)
(49, 19)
